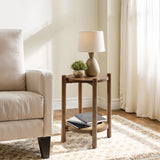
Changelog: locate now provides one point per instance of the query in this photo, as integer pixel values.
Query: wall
(102, 57)
(50, 30)
(109, 22)
(70, 17)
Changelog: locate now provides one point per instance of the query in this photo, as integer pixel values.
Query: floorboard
(146, 122)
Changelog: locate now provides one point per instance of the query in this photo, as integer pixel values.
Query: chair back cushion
(12, 73)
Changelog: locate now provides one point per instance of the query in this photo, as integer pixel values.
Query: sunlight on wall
(50, 29)
(25, 14)
(31, 18)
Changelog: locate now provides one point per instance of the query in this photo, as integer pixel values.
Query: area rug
(129, 141)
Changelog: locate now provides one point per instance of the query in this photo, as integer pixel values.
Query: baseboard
(102, 103)
(87, 102)
(72, 103)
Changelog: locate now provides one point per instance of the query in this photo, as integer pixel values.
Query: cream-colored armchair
(25, 96)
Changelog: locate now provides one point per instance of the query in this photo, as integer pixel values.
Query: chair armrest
(40, 81)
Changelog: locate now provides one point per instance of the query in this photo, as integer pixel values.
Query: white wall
(70, 17)
(50, 33)
(109, 22)
(51, 29)
(113, 40)
(103, 57)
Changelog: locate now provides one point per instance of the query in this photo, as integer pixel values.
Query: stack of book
(84, 120)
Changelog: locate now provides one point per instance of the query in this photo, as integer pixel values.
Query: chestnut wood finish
(72, 79)
(63, 137)
(108, 106)
(92, 81)
(80, 97)
(94, 114)
(100, 127)
(44, 145)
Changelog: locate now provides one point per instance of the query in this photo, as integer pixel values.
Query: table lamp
(91, 42)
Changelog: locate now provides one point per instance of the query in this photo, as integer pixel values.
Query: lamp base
(93, 66)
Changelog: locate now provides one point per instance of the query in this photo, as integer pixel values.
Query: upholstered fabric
(20, 105)
(12, 73)
(12, 130)
(41, 83)
(25, 97)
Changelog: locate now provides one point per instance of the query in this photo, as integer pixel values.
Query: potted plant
(79, 68)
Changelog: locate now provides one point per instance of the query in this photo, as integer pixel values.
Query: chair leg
(44, 145)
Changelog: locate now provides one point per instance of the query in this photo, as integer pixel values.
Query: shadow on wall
(38, 39)
(51, 32)
(57, 37)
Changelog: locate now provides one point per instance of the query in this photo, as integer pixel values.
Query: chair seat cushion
(18, 105)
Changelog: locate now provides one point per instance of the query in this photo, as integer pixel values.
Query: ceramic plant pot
(78, 73)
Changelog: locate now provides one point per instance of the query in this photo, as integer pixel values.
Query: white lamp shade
(91, 41)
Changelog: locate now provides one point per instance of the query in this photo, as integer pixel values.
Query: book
(87, 118)
(77, 123)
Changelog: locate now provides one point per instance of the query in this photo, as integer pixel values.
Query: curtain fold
(140, 57)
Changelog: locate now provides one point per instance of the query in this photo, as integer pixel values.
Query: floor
(146, 122)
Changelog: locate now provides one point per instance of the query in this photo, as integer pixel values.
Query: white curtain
(140, 57)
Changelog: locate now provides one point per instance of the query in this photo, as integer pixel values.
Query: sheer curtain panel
(140, 57)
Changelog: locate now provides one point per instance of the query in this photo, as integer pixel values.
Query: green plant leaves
(79, 65)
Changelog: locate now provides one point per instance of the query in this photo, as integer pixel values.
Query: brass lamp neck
(91, 54)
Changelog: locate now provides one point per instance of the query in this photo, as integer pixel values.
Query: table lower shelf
(100, 127)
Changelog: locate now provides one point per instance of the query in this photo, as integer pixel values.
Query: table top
(100, 78)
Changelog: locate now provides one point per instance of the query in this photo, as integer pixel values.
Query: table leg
(63, 133)
(80, 97)
(94, 115)
(109, 111)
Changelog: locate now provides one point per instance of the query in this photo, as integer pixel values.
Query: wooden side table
(92, 81)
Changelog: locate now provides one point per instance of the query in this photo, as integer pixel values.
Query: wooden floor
(146, 122)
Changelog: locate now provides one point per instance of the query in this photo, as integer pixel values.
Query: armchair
(25, 96)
